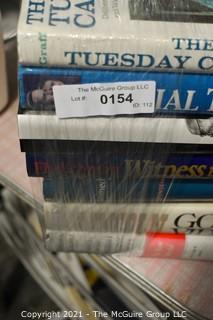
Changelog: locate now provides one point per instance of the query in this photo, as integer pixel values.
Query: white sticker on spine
(104, 99)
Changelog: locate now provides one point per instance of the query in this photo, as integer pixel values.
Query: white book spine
(90, 242)
(110, 34)
(163, 130)
(147, 245)
(188, 218)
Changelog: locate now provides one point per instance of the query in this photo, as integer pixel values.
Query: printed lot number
(119, 98)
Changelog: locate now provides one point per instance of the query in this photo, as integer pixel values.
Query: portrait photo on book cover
(200, 11)
(39, 90)
(201, 127)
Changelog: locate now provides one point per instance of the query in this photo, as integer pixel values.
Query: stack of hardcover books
(116, 100)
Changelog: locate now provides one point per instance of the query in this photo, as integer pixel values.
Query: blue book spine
(118, 165)
(177, 94)
(99, 190)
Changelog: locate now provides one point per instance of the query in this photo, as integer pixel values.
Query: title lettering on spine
(81, 14)
(146, 61)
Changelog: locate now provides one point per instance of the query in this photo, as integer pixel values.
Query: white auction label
(104, 99)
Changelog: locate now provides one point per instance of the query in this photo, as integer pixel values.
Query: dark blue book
(177, 94)
(99, 189)
(135, 165)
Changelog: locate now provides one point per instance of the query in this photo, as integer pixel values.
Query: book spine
(107, 28)
(131, 218)
(150, 245)
(99, 189)
(176, 95)
(90, 242)
(123, 129)
(123, 164)
(104, 147)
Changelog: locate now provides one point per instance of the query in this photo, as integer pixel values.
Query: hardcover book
(142, 34)
(98, 189)
(46, 126)
(108, 228)
(133, 165)
(153, 245)
(176, 94)
(188, 218)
